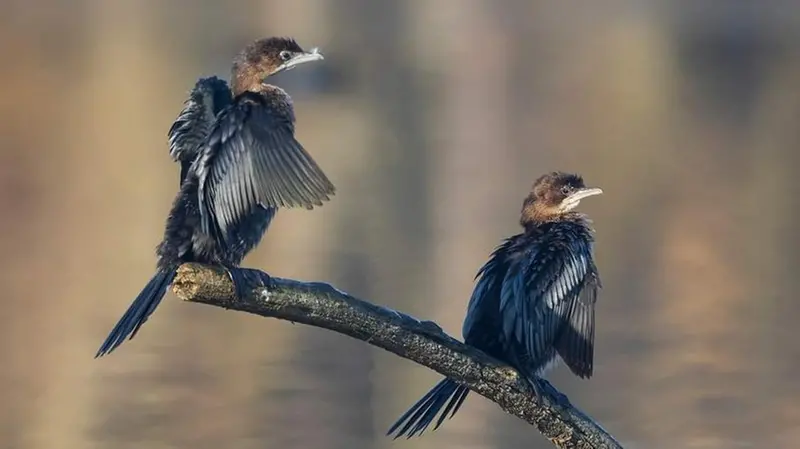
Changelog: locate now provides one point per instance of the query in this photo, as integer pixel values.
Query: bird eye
(285, 55)
(565, 190)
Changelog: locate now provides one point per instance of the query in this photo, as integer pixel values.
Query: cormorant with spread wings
(240, 162)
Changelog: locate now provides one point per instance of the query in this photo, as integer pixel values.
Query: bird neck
(255, 85)
(247, 78)
(534, 218)
(534, 213)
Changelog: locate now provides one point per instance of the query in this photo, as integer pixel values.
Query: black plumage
(534, 299)
(193, 125)
(240, 162)
(253, 160)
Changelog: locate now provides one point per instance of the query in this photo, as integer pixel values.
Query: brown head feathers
(552, 196)
(266, 57)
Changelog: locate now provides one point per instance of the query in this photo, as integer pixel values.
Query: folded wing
(541, 308)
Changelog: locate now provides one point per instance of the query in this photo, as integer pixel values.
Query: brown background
(433, 119)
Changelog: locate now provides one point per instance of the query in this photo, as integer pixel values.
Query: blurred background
(433, 119)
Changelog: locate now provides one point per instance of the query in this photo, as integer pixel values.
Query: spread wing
(186, 135)
(541, 307)
(252, 159)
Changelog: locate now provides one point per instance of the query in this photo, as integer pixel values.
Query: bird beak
(583, 193)
(572, 201)
(301, 58)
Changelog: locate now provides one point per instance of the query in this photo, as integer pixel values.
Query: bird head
(553, 195)
(266, 57)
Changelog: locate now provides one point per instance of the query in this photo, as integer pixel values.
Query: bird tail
(138, 312)
(421, 415)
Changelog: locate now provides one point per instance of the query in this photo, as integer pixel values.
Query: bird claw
(554, 395)
(395, 313)
(538, 390)
(431, 326)
(246, 279)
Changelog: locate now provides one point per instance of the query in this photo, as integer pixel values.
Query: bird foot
(538, 390)
(395, 313)
(245, 280)
(554, 395)
(432, 326)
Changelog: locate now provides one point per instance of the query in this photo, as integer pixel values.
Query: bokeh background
(433, 119)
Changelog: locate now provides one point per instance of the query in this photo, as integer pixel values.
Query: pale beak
(301, 58)
(575, 197)
(583, 193)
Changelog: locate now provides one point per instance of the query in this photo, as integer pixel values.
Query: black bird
(534, 299)
(239, 163)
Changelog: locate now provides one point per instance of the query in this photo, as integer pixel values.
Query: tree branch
(424, 342)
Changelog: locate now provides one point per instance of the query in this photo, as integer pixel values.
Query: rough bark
(322, 305)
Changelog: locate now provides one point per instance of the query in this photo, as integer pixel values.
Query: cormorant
(239, 163)
(534, 299)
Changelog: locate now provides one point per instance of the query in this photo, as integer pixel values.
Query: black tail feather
(138, 312)
(421, 415)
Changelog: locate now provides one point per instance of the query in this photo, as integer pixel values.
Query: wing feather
(575, 344)
(540, 304)
(484, 302)
(194, 123)
(251, 158)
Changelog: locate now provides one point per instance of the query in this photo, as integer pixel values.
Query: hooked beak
(575, 198)
(583, 193)
(300, 58)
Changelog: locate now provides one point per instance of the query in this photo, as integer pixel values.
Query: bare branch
(424, 342)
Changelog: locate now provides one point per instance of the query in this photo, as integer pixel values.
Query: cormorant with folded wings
(534, 299)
